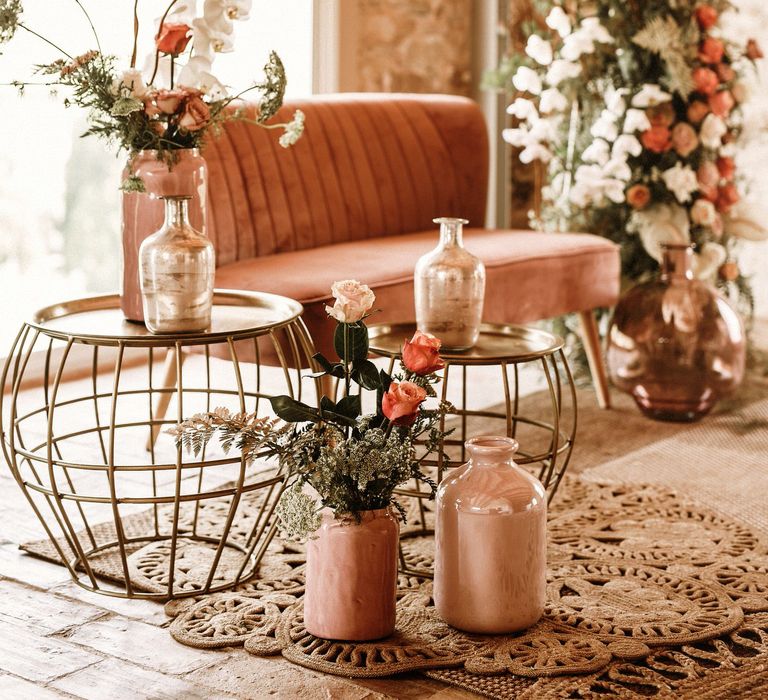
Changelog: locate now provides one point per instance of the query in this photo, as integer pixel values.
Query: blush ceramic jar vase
(144, 212)
(351, 576)
(490, 542)
(675, 345)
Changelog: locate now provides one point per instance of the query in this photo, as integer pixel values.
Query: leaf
(125, 105)
(293, 411)
(334, 369)
(329, 411)
(357, 341)
(366, 374)
(349, 406)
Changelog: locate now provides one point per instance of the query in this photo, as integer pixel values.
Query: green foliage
(10, 14)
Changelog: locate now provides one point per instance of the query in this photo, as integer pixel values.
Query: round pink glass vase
(675, 345)
(490, 542)
(144, 213)
(351, 577)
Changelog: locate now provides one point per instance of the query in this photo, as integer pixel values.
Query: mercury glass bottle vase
(449, 288)
(177, 267)
(674, 344)
(351, 576)
(143, 212)
(490, 542)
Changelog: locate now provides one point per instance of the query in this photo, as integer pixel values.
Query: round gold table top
(497, 343)
(99, 320)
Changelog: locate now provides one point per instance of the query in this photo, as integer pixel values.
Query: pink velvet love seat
(355, 198)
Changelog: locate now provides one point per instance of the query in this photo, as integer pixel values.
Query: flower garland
(634, 108)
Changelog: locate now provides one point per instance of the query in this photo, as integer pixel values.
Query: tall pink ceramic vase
(351, 577)
(143, 212)
(490, 542)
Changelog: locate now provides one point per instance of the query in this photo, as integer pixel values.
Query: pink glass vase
(675, 345)
(144, 212)
(490, 542)
(351, 577)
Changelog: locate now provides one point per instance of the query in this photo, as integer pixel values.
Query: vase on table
(490, 542)
(675, 344)
(351, 576)
(449, 289)
(144, 212)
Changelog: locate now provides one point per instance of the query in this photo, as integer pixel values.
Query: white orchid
(527, 80)
(237, 10)
(515, 137)
(594, 30)
(615, 101)
(197, 74)
(660, 223)
(605, 126)
(626, 145)
(539, 49)
(535, 151)
(552, 100)
(523, 109)
(593, 186)
(561, 70)
(583, 40)
(713, 129)
(210, 38)
(681, 181)
(636, 120)
(650, 95)
(597, 152)
(559, 21)
(617, 169)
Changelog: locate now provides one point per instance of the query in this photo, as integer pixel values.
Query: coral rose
(721, 103)
(725, 72)
(173, 38)
(697, 110)
(638, 196)
(753, 50)
(726, 167)
(657, 139)
(353, 301)
(195, 115)
(684, 139)
(708, 176)
(728, 271)
(661, 115)
(711, 50)
(168, 101)
(727, 196)
(706, 16)
(705, 80)
(421, 354)
(401, 402)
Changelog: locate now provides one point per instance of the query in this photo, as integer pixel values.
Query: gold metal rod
(179, 460)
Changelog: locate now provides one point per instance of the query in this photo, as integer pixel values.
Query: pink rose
(727, 196)
(195, 115)
(656, 139)
(421, 354)
(711, 50)
(705, 80)
(697, 110)
(703, 212)
(684, 139)
(706, 16)
(721, 103)
(168, 101)
(726, 167)
(638, 196)
(353, 301)
(725, 72)
(709, 177)
(401, 403)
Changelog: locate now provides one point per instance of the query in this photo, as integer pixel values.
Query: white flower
(681, 181)
(559, 21)
(707, 261)
(540, 50)
(728, 150)
(712, 131)
(197, 74)
(583, 40)
(515, 137)
(552, 100)
(597, 32)
(626, 145)
(617, 169)
(293, 130)
(561, 70)
(636, 120)
(615, 102)
(597, 152)
(238, 10)
(131, 82)
(703, 212)
(605, 127)
(660, 223)
(523, 109)
(543, 130)
(527, 80)
(741, 91)
(210, 38)
(592, 186)
(650, 95)
(535, 151)
(352, 301)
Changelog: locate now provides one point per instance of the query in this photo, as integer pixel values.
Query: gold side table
(116, 497)
(546, 440)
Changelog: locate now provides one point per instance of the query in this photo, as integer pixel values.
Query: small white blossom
(515, 137)
(552, 100)
(583, 40)
(535, 151)
(636, 120)
(597, 32)
(293, 130)
(597, 152)
(559, 21)
(543, 130)
(650, 95)
(539, 49)
(527, 80)
(626, 145)
(615, 102)
(561, 70)
(605, 127)
(617, 169)
(523, 109)
(713, 129)
(681, 181)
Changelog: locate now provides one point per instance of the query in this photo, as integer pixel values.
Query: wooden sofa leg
(591, 338)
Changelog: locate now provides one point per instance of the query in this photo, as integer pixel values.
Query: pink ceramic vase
(351, 577)
(143, 212)
(490, 542)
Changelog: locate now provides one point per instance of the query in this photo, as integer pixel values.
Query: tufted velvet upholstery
(355, 197)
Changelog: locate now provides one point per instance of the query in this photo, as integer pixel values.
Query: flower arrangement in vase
(634, 110)
(342, 467)
(160, 115)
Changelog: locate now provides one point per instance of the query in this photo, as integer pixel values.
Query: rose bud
(638, 196)
(421, 354)
(697, 110)
(721, 103)
(753, 50)
(726, 167)
(729, 271)
(711, 50)
(173, 38)
(706, 16)
(657, 139)
(401, 402)
(684, 139)
(705, 80)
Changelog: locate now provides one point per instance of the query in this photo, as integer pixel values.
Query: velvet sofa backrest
(367, 165)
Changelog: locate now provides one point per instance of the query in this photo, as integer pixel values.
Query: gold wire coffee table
(88, 448)
(546, 440)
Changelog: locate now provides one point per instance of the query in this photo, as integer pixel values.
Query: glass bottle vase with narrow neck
(675, 345)
(177, 267)
(449, 289)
